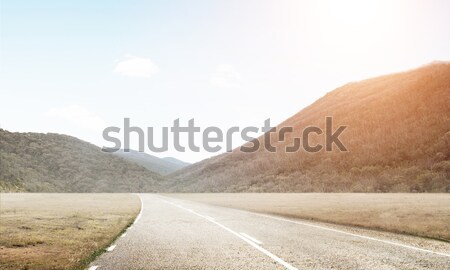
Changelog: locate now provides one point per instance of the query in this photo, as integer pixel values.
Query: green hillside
(58, 163)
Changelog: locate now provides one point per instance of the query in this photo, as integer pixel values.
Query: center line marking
(347, 233)
(250, 242)
(252, 238)
(93, 267)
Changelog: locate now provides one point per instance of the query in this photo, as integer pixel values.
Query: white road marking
(343, 232)
(253, 244)
(208, 217)
(94, 267)
(252, 238)
(111, 248)
(352, 234)
(137, 218)
(140, 212)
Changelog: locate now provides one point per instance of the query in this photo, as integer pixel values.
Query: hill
(177, 162)
(398, 137)
(162, 166)
(58, 163)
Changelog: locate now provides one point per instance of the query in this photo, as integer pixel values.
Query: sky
(77, 67)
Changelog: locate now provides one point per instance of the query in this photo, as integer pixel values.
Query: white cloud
(78, 116)
(133, 66)
(225, 76)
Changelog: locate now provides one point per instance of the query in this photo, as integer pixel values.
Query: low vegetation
(60, 231)
(426, 215)
(398, 137)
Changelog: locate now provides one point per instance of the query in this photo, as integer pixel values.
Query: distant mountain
(162, 166)
(398, 137)
(58, 163)
(177, 162)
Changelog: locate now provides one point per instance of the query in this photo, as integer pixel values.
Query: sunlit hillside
(398, 137)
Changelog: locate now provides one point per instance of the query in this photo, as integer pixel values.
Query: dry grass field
(60, 231)
(426, 215)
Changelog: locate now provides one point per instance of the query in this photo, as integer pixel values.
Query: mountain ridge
(398, 137)
(162, 166)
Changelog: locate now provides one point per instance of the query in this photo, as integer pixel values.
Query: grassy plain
(60, 231)
(421, 214)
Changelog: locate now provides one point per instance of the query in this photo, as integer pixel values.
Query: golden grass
(60, 231)
(426, 215)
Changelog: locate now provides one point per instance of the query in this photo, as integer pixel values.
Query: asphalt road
(176, 234)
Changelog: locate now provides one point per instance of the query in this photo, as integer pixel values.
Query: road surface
(177, 234)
